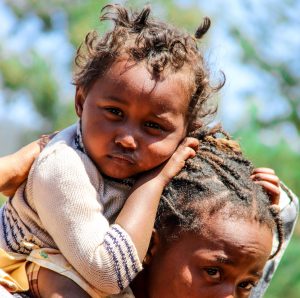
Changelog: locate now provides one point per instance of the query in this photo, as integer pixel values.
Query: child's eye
(247, 285)
(115, 111)
(153, 125)
(213, 273)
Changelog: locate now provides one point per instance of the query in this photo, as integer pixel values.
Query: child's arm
(138, 214)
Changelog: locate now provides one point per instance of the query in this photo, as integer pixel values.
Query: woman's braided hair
(164, 49)
(217, 180)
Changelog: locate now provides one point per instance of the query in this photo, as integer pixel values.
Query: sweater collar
(78, 138)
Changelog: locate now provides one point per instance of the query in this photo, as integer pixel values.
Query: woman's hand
(14, 168)
(269, 181)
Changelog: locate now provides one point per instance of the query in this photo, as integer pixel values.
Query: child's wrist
(159, 181)
(162, 180)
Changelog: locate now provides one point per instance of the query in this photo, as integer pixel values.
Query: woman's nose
(126, 141)
(228, 291)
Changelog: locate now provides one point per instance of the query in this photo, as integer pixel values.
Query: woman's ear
(79, 101)
(153, 247)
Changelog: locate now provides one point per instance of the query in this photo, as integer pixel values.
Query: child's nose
(127, 141)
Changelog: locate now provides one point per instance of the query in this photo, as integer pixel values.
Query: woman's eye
(115, 111)
(247, 285)
(213, 273)
(153, 125)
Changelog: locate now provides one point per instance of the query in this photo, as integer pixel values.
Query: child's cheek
(159, 152)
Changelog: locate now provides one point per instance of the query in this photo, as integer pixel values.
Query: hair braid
(279, 226)
(216, 180)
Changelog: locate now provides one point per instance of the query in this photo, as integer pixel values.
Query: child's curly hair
(160, 45)
(217, 180)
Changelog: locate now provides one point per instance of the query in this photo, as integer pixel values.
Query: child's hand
(186, 149)
(269, 181)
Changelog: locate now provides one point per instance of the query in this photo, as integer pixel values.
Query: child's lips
(123, 158)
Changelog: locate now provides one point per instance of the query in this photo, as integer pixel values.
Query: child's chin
(117, 174)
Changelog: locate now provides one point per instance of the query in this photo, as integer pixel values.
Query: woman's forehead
(238, 235)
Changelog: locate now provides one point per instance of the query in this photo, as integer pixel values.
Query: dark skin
(14, 168)
(267, 178)
(225, 261)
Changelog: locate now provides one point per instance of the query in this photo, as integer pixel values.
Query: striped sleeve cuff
(123, 255)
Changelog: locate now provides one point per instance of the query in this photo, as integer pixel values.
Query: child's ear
(79, 101)
(153, 247)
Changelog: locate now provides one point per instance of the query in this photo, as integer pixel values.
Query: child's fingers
(182, 154)
(190, 142)
(186, 149)
(263, 170)
(272, 190)
(266, 177)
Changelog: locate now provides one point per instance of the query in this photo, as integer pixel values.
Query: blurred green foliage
(2, 199)
(37, 78)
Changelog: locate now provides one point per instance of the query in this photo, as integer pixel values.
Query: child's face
(132, 123)
(228, 262)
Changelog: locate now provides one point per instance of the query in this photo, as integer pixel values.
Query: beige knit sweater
(67, 204)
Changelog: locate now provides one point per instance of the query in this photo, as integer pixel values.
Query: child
(213, 232)
(140, 90)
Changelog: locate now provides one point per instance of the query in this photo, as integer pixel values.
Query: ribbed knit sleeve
(66, 189)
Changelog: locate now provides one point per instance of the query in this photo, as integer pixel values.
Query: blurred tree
(265, 32)
(271, 50)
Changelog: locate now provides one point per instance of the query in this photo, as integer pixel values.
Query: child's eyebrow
(116, 99)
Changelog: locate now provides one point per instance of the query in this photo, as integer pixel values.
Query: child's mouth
(123, 158)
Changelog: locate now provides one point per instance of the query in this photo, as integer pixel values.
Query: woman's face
(227, 261)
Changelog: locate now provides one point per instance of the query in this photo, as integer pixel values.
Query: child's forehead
(126, 69)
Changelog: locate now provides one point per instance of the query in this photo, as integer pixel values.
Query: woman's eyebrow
(257, 273)
(223, 259)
